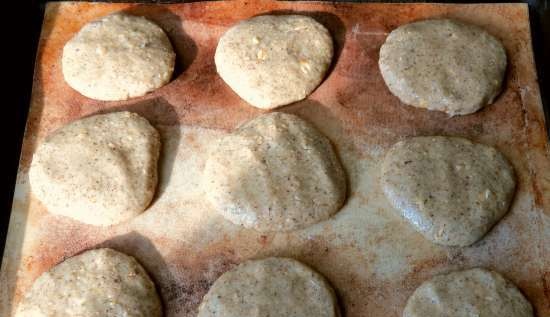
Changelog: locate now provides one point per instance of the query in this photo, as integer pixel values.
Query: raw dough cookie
(443, 65)
(271, 61)
(101, 282)
(99, 170)
(275, 173)
(274, 287)
(118, 57)
(450, 189)
(475, 292)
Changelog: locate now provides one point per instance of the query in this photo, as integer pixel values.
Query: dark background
(19, 38)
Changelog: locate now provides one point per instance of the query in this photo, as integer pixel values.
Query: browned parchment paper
(373, 258)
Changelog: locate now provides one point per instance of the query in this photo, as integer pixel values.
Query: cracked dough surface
(275, 287)
(443, 65)
(275, 173)
(117, 57)
(451, 190)
(100, 282)
(99, 170)
(475, 292)
(271, 61)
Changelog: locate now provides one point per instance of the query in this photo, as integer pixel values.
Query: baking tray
(371, 256)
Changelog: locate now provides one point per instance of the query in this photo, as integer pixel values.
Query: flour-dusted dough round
(450, 189)
(271, 61)
(275, 173)
(100, 282)
(475, 292)
(443, 65)
(275, 287)
(118, 57)
(99, 170)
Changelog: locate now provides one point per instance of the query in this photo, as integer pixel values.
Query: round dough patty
(118, 57)
(101, 282)
(475, 292)
(443, 65)
(271, 287)
(271, 61)
(99, 170)
(275, 173)
(450, 189)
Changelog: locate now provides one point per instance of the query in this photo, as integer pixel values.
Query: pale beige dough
(469, 293)
(274, 287)
(450, 189)
(275, 173)
(99, 170)
(271, 61)
(443, 65)
(100, 282)
(118, 57)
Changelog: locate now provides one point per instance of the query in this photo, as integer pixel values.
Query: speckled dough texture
(99, 170)
(275, 173)
(475, 292)
(274, 287)
(118, 57)
(271, 61)
(450, 189)
(100, 282)
(443, 65)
